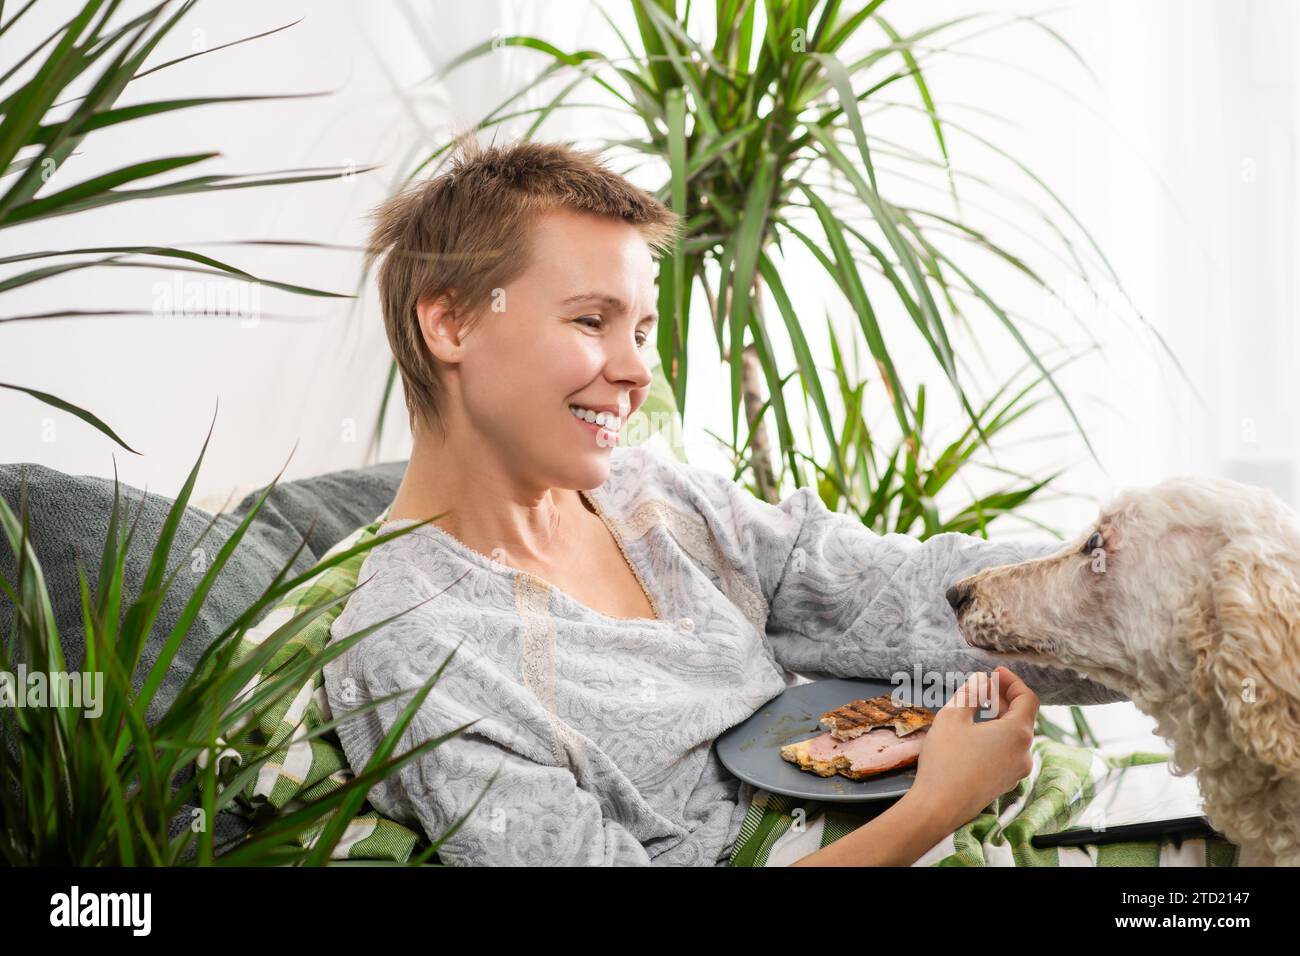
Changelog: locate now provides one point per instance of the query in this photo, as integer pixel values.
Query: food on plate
(861, 716)
(863, 738)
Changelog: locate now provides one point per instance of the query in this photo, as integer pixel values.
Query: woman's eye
(1093, 543)
(597, 322)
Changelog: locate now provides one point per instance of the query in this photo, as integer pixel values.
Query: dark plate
(752, 749)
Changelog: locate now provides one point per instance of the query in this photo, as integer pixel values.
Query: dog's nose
(959, 595)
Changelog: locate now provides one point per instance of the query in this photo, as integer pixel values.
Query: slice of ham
(876, 750)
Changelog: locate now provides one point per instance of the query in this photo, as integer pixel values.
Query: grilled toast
(860, 716)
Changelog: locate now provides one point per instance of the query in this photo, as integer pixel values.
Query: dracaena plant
(103, 788)
(54, 97)
(896, 487)
(768, 122)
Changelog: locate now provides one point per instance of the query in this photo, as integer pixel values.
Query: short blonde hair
(465, 233)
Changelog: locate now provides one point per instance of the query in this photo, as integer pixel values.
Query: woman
(604, 614)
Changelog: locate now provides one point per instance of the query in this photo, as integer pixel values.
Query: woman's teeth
(604, 419)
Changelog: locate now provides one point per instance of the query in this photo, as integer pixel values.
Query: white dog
(1186, 597)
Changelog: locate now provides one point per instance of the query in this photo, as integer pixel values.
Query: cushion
(1064, 780)
(69, 521)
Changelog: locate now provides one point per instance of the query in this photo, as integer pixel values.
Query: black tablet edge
(1184, 827)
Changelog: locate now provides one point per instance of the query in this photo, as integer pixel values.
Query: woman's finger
(1022, 703)
(996, 701)
(971, 695)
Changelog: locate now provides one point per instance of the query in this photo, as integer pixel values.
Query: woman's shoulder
(640, 473)
(655, 468)
(643, 472)
(399, 574)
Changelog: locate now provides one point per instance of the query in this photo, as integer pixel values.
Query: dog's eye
(1093, 543)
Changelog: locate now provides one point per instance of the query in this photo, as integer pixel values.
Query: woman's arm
(963, 766)
(847, 602)
(897, 837)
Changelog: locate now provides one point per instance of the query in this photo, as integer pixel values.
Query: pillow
(69, 518)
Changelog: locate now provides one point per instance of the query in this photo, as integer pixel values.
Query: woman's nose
(631, 364)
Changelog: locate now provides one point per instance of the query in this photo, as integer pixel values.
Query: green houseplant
(758, 128)
(104, 790)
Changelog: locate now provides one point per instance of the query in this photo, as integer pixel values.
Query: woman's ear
(439, 325)
(1248, 650)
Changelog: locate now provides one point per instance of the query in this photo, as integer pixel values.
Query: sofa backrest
(68, 520)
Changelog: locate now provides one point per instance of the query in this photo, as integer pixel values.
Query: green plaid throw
(303, 770)
(779, 830)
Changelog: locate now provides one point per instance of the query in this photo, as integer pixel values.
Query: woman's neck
(487, 507)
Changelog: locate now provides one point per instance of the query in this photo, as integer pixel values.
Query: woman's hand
(964, 765)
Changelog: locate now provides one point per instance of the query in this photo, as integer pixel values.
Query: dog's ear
(1247, 648)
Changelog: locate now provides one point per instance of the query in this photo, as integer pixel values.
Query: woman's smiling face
(577, 328)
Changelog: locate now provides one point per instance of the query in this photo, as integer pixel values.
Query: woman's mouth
(604, 425)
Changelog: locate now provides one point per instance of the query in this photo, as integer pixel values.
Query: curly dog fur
(1186, 597)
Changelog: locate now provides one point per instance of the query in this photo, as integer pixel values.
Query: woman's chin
(586, 471)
